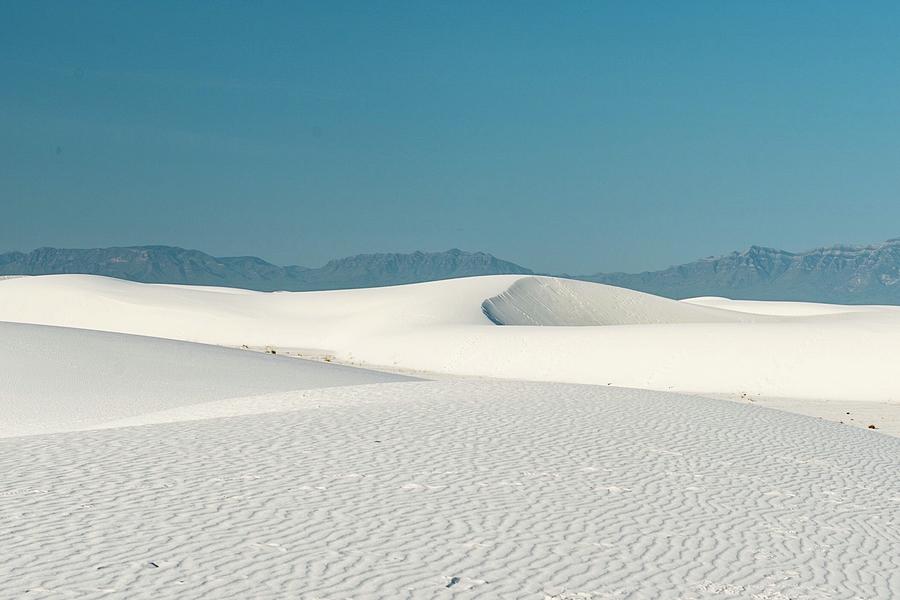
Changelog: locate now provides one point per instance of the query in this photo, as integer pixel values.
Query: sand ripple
(458, 489)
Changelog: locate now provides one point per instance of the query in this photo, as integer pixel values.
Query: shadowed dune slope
(551, 301)
(56, 378)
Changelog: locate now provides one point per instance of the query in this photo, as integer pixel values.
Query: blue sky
(569, 137)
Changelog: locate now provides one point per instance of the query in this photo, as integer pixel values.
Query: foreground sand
(457, 489)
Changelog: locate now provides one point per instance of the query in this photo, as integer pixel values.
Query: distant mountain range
(839, 274)
(168, 264)
(835, 274)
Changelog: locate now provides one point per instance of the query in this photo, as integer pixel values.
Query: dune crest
(550, 301)
(625, 338)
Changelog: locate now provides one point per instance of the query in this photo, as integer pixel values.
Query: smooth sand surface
(61, 379)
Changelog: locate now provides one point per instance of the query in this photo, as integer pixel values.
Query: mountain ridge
(176, 265)
(840, 273)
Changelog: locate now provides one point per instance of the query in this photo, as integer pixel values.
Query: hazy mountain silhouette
(837, 274)
(168, 264)
(840, 274)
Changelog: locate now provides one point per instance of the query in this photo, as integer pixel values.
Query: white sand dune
(843, 354)
(550, 301)
(59, 379)
(786, 309)
(457, 489)
(175, 469)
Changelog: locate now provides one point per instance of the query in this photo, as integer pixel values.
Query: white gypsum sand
(60, 379)
(183, 470)
(457, 489)
(589, 333)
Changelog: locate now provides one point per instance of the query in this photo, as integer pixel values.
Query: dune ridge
(549, 301)
(441, 327)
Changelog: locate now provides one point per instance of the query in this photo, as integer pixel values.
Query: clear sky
(566, 136)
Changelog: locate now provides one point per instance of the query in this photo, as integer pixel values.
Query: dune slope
(60, 379)
(549, 301)
(787, 309)
(632, 339)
